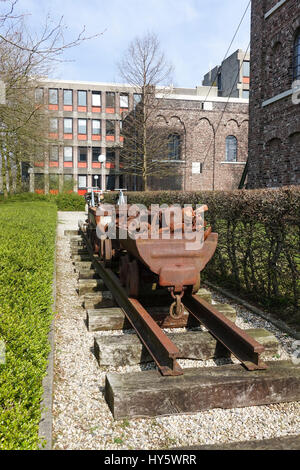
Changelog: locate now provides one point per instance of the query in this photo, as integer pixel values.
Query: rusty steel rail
(241, 345)
(160, 347)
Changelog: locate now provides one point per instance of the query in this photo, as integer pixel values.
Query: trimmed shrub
(66, 201)
(27, 247)
(259, 240)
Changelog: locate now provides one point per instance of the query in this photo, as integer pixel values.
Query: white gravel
(81, 417)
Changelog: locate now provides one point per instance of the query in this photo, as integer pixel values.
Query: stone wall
(274, 136)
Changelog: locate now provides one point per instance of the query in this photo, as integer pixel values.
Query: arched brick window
(174, 147)
(296, 57)
(231, 148)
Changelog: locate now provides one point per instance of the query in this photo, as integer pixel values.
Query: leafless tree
(145, 150)
(25, 59)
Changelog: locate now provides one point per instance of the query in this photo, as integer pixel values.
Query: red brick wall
(274, 136)
(203, 140)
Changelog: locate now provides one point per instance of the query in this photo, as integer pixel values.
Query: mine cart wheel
(133, 279)
(124, 262)
(107, 253)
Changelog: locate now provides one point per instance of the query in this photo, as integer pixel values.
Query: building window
(96, 98)
(110, 155)
(96, 182)
(82, 154)
(53, 96)
(82, 181)
(68, 183)
(124, 100)
(136, 98)
(96, 151)
(296, 65)
(68, 126)
(53, 125)
(68, 97)
(81, 126)
(39, 95)
(81, 98)
(53, 183)
(110, 128)
(54, 153)
(39, 181)
(174, 147)
(219, 81)
(96, 127)
(246, 94)
(68, 154)
(231, 148)
(246, 69)
(110, 99)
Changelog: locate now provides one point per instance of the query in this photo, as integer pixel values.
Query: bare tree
(145, 150)
(25, 59)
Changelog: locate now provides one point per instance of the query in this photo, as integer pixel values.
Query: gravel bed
(81, 417)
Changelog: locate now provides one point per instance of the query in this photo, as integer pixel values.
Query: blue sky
(194, 34)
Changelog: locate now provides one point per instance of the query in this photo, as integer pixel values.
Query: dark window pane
(110, 128)
(110, 155)
(174, 147)
(82, 154)
(296, 64)
(231, 148)
(95, 154)
(110, 99)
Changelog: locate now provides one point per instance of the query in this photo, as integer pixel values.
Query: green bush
(27, 247)
(259, 240)
(64, 201)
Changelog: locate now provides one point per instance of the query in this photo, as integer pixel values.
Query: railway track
(172, 389)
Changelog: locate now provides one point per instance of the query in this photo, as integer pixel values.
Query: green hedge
(27, 247)
(63, 201)
(259, 240)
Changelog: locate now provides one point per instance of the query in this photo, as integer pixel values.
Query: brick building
(210, 136)
(274, 136)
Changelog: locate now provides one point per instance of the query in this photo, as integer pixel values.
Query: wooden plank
(82, 265)
(88, 274)
(72, 233)
(205, 294)
(126, 349)
(79, 251)
(147, 394)
(277, 443)
(99, 300)
(81, 257)
(102, 320)
(86, 286)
